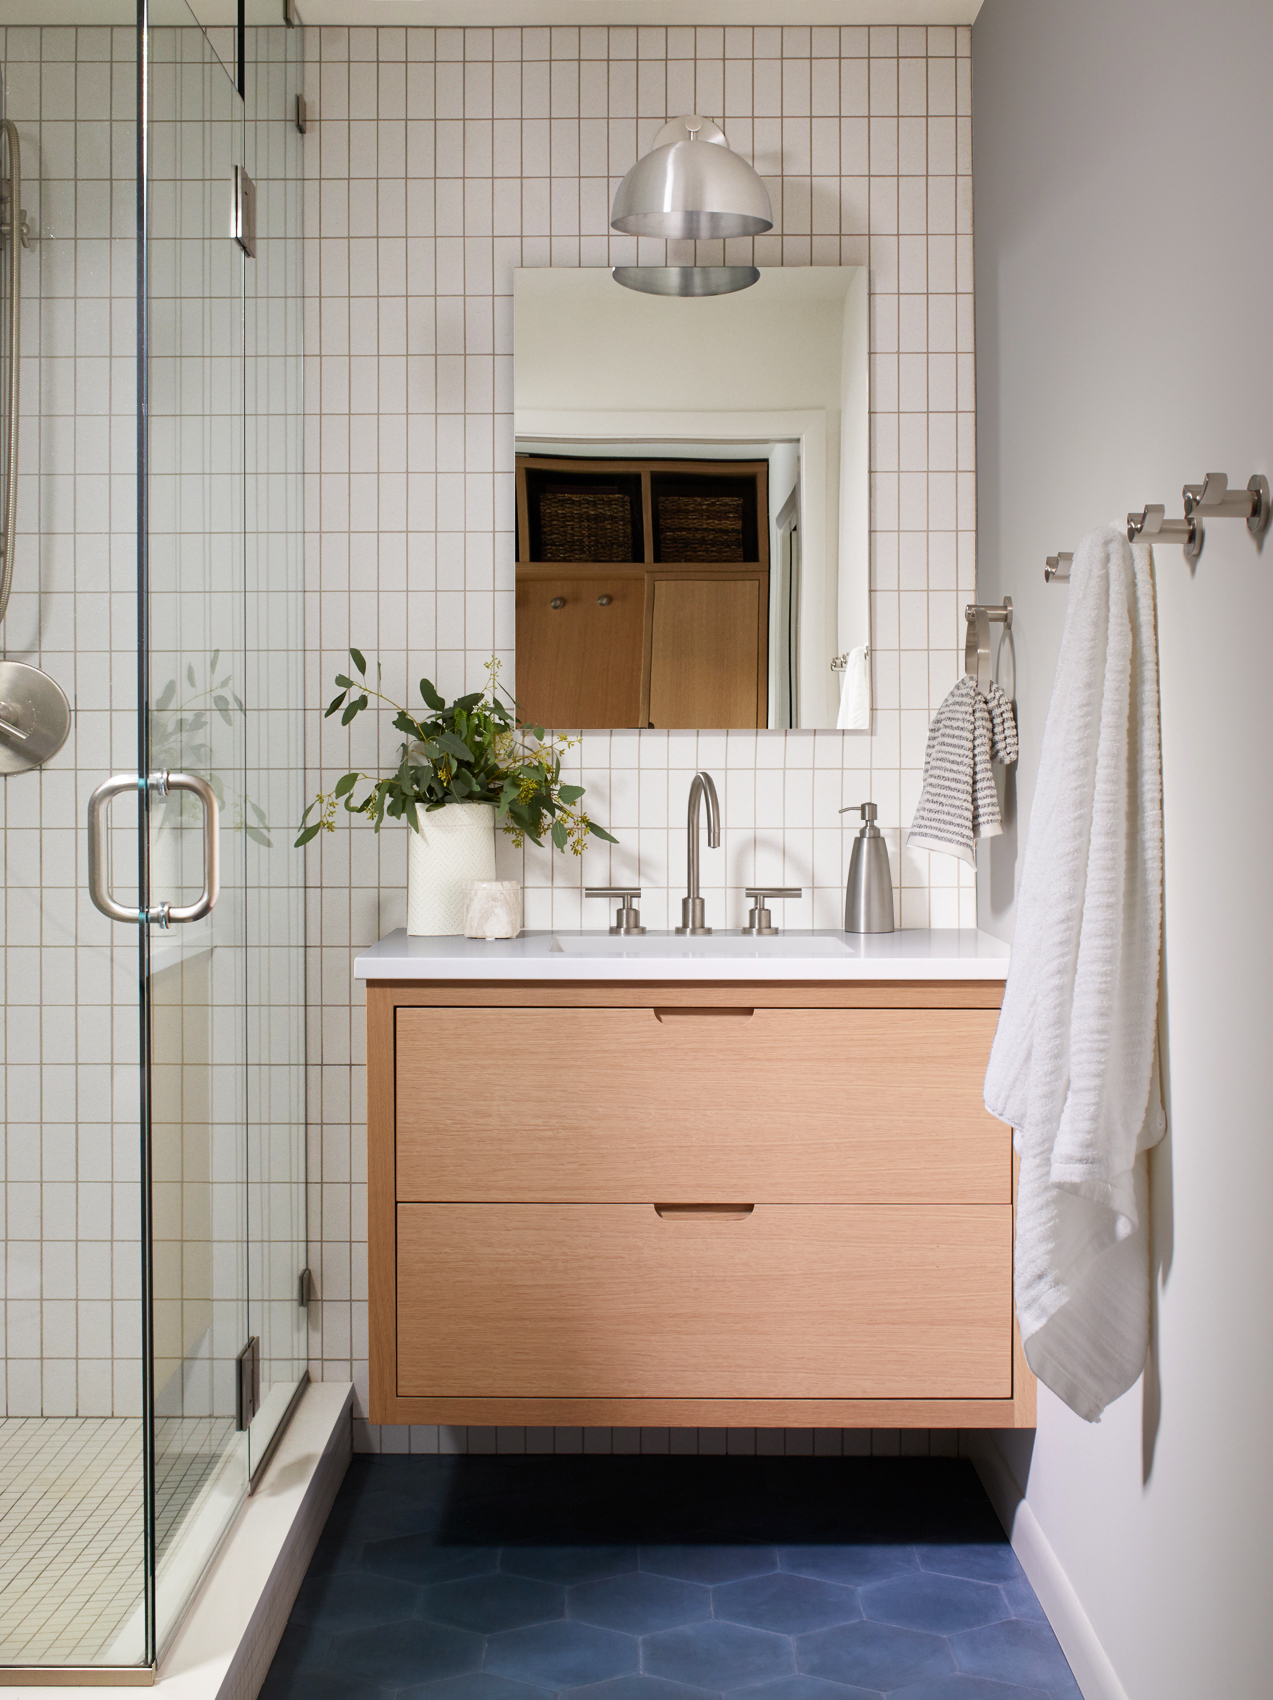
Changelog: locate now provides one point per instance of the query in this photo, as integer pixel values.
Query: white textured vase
(454, 845)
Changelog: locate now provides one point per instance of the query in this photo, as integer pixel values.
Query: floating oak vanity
(695, 1183)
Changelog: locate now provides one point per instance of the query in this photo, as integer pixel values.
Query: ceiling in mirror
(692, 500)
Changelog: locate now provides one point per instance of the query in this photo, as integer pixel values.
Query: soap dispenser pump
(868, 897)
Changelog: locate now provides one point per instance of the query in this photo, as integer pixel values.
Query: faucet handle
(627, 918)
(759, 920)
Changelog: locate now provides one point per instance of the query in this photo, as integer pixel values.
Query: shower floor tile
(645, 1578)
(71, 1526)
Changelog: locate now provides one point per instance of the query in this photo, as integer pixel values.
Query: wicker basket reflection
(585, 525)
(700, 528)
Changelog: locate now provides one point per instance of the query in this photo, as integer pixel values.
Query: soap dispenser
(868, 897)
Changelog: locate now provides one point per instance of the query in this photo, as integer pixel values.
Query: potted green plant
(463, 768)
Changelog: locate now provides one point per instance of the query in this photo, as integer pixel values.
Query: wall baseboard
(1089, 1661)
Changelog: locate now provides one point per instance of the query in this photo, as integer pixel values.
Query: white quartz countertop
(950, 953)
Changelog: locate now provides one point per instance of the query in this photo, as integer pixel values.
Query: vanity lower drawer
(789, 1301)
(612, 1105)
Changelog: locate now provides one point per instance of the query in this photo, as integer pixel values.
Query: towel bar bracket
(1213, 499)
(999, 616)
(977, 641)
(1153, 526)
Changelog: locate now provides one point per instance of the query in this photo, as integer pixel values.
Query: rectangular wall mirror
(693, 500)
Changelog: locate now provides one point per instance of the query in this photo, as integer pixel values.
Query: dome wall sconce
(690, 187)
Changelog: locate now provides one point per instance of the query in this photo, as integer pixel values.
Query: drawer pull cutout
(711, 1011)
(723, 1212)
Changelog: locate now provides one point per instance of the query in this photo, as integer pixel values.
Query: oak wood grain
(579, 665)
(707, 641)
(809, 1106)
(588, 1301)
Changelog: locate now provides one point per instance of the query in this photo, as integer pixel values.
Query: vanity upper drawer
(792, 1301)
(623, 1105)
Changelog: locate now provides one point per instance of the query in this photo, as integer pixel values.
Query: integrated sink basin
(556, 954)
(710, 945)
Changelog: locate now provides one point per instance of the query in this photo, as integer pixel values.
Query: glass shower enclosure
(154, 1281)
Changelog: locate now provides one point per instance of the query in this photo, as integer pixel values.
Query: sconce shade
(690, 185)
(686, 280)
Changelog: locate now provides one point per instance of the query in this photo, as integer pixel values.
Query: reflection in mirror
(692, 500)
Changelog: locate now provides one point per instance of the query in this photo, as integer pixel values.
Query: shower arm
(13, 229)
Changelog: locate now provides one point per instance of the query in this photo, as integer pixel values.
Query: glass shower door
(274, 669)
(198, 726)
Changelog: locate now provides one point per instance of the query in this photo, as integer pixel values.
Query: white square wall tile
(866, 125)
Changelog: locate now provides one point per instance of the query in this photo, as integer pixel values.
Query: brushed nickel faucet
(692, 904)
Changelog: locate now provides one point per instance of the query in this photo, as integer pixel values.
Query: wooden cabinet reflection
(642, 592)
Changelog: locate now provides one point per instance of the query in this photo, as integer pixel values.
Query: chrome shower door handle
(202, 904)
(159, 784)
(98, 882)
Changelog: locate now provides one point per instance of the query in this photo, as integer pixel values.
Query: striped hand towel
(958, 803)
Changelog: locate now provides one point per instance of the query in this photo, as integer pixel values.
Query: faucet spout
(692, 909)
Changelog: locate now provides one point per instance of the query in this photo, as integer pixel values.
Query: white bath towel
(855, 691)
(1074, 1063)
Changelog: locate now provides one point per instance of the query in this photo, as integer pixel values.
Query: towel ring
(1006, 635)
(977, 648)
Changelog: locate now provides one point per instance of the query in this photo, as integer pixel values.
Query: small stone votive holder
(492, 909)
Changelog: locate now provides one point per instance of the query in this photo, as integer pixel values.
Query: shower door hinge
(243, 212)
(249, 1383)
(305, 1288)
(302, 114)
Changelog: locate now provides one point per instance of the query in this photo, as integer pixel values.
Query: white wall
(1122, 151)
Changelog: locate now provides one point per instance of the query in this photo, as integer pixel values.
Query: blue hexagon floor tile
(803, 1688)
(640, 1603)
(343, 1600)
(693, 1563)
(476, 1685)
(487, 1604)
(1025, 1653)
(562, 1655)
(976, 1561)
(853, 1566)
(873, 1655)
(789, 1605)
(395, 1655)
(660, 1578)
(942, 1604)
(569, 1564)
(717, 1655)
(638, 1688)
(409, 1559)
(966, 1688)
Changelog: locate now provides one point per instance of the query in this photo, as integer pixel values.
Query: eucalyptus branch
(474, 750)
